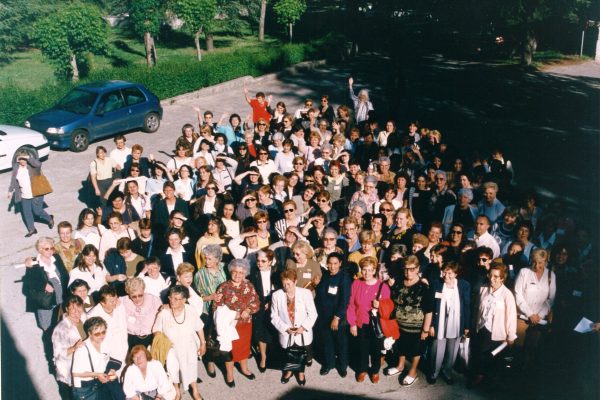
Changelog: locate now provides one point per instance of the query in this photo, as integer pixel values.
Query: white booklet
(584, 326)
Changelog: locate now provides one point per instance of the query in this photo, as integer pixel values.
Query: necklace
(175, 318)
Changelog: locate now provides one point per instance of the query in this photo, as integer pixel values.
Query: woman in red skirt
(238, 295)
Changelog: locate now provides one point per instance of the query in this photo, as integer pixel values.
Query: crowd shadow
(16, 382)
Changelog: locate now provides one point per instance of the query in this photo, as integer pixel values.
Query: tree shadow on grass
(124, 46)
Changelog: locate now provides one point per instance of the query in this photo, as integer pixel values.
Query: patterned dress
(238, 299)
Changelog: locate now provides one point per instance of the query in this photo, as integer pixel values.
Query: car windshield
(77, 101)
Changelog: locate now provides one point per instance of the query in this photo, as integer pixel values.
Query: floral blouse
(238, 298)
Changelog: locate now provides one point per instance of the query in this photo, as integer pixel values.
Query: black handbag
(295, 357)
(374, 318)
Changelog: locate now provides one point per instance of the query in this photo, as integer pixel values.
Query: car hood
(52, 118)
(24, 135)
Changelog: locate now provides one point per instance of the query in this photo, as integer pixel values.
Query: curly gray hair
(239, 263)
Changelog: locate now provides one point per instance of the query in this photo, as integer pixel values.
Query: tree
(261, 24)
(289, 12)
(66, 36)
(146, 17)
(198, 17)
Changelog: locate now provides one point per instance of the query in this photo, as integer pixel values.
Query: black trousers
(482, 361)
(368, 346)
(335, 343)
(133, 340)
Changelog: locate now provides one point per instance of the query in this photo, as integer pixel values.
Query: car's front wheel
(151, 123)
(80, 140)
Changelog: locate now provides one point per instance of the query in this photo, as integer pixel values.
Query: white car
(14, 138)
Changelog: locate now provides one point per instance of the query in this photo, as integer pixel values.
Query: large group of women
(295, 235)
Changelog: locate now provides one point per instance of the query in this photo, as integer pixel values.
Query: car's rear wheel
(151, 123)
(80, 140)
(32, 152)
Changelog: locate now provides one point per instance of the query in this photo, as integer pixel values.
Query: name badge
(332, 290)
(577, 293)
(415, 195)
(306, 275)
(510, 267)
(438, 295)
(338, 187)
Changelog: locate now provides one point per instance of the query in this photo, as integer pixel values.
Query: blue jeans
(31, 208)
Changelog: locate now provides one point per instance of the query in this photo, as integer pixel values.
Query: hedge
(175, 76)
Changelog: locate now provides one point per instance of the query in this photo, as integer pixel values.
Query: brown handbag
(40, 185)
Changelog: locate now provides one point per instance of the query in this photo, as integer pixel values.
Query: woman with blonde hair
(308, 270)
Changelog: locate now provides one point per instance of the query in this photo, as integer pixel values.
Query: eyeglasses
(262, 154)
(102, 333)
(309, 181)
(135, 170)
(250, 200)
(457, 232)
(136, 296)
(440, 179)
(261, 124)
(370, 186)
(243, 149)
(484, 259)
(289, 210)
(386, 210)
(329, 239)
(211, 188)
(261, 222)
(298, 163)
(47, 248)
(322, 200)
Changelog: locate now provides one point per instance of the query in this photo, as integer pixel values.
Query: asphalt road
(547, 123)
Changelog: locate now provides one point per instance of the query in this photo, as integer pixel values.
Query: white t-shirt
(120, 156)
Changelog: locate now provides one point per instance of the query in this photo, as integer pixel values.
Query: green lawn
(29, 69)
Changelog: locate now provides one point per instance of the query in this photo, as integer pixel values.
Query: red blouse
(238, 298)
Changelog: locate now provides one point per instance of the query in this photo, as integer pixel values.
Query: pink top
(140, 319)
(502, 310)
(361, 297)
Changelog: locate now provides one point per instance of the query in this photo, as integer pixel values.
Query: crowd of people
(296, 235)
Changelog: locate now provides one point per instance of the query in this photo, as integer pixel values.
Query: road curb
(244, 80)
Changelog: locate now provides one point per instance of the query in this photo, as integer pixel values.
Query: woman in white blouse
(146, 376)
(87, 229)
(184, 186)
(535, 290)
(90, 379)
(110, 236)
(90, 269)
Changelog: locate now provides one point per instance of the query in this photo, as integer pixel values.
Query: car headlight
(27, 124)
(55, 130)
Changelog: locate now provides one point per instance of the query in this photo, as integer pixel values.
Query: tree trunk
(197, 43)
(291, 33)
(210, 41)
(74, 68)
(154, 55)
(148, 48)
(261, 23)
(597, 58)
(529, 47)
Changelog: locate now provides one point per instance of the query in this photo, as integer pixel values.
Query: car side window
(111, 101)
(133, 96)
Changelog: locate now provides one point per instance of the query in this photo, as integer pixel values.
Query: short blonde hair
(304, 247)
(134, 285)
(185, 268)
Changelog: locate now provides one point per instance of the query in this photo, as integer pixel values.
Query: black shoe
(447, 379)
(230, 384)
(343, 373)
(212, 374)
(309, 363)
(285, 380)
(431, 380)
(300, 382)
(30, 234)
(51, 222)
(324, 370)
(261, 369)
(250, 376)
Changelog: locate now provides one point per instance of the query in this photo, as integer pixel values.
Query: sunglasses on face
(289, 210)
(484, 259)
(247, 200)
(457, 232)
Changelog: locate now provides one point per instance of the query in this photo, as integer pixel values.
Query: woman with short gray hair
(238, 295)
(45, 282)
(368, 196)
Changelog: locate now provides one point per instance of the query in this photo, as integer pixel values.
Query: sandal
(392, 371)
(409, 380)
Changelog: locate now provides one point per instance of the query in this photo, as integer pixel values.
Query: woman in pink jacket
(496, 322)
(364, 298)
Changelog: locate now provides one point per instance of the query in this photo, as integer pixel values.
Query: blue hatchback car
(97, 110)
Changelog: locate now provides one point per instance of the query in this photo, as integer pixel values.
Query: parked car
(97, 110)
(14, 139)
